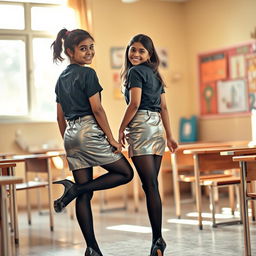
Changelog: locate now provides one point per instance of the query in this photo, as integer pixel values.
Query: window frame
(27, 34)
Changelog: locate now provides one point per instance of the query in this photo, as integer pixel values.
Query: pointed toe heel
(90, 252)
(158, 247)
(65, 199)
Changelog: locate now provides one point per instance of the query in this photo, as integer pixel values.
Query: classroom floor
(126, 233)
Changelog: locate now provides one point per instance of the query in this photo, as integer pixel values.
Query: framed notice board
(227, 80)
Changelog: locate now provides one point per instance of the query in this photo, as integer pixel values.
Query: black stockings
(119, 172)
(148, 167)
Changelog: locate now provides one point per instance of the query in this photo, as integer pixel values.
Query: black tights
(119, 172)
(148, 167)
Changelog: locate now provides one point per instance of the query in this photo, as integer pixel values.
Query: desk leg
(14, 208)
(244, 205)
(176, 184)
(50, 194)
(4, 223)
(27, 195)
(198, 191)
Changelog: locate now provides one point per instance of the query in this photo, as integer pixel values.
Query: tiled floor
(183, 238)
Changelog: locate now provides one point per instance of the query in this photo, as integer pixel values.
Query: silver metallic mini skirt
(86, 144)
(145, 134)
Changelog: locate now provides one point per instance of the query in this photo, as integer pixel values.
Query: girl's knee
(151, 185)
(86, 196)
(130, 175)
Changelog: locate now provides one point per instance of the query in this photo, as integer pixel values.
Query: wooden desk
(37, 163)
(5, 180)
(180, 161)
(207, 159)
(247, 163)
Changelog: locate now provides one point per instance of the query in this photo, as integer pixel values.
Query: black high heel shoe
(90, 252)
(158, 247)
(68, 195)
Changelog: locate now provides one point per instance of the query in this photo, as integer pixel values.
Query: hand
(121, 138)
(116, 145)
(172, 144)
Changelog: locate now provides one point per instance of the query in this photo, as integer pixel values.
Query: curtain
(81, 12)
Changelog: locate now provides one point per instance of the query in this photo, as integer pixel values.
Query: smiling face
(83, 52)
(138, 54)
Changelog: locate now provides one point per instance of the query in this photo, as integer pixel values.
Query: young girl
(145, 96)
(83, 124)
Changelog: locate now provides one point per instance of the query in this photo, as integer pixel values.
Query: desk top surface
(7, 165)
(217, 150)
(4, 180)
(22, 158)
(245, 158)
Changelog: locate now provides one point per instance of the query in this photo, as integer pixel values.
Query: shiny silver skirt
(86, 144)
(145, 134)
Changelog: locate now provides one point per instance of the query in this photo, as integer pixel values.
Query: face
(83, 53)
(138, 54)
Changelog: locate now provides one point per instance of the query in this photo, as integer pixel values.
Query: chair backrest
(251, 173)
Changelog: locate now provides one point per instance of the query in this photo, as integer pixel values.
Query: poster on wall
(213, 67)
(251, 72)
(227, 80)
(117, 86)
(208, 96)
(163, 57)
(237, 66)
(232, 96)
(117, 57)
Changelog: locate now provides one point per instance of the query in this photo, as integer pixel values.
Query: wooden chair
(33, 164)
(4, 181)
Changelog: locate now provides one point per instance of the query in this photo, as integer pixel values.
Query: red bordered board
(227, 80)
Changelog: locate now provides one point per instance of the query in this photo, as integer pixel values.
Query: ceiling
(177, 1)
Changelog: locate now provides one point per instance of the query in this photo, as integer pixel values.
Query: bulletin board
(227, 80)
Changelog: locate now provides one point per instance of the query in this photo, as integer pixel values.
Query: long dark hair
(70, 39)
(148, 44)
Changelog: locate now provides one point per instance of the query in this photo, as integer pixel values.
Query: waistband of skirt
(149, 112)
(81, 118)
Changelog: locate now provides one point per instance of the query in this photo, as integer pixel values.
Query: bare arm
(61, 120)
(171, 143)
(135, 98)
(100, 116)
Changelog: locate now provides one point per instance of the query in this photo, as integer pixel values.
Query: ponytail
(57, 45)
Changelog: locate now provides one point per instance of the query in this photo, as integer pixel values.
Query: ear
(70, 53)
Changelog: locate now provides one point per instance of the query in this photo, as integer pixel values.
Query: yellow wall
(114, 24)
(211, 25)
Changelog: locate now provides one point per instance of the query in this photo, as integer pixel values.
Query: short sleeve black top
(144, 77)
(75, 86)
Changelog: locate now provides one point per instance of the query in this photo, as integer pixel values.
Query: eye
(83, 48)
(133, 49)
(92, 47)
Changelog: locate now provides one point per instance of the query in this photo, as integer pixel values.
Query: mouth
(88, 59)
(135, 60)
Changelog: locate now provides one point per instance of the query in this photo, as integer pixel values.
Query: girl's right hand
(121, 138)
(116, 145)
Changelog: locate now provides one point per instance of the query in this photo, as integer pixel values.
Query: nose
(135, 53)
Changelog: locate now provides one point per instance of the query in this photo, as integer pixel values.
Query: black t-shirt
(143, 76)
(74, 87)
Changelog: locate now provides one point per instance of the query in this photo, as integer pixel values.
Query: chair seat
(188, 178)
(252, 195)
(222, 181)
(30, 185)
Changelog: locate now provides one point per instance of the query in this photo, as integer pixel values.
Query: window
(27, 72)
